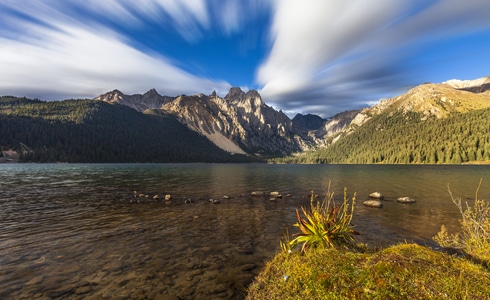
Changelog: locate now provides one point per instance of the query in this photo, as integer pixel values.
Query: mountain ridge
(239, 123)
(242, 123)
(409, 128)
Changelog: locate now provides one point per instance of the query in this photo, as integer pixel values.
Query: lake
(82, 231)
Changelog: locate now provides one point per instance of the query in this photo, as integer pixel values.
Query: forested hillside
(398, 137)
(93, 131)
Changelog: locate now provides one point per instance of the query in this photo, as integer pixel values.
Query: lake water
(70, 231)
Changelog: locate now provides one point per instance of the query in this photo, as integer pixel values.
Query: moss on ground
(404, 271)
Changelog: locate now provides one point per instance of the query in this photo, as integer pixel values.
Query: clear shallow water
(77, 231)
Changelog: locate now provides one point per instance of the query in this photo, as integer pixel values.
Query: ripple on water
(71, 231)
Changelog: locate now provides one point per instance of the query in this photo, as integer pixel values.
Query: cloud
(233, 15)
(331, 55)
(54, 55)
(80, 63)
(323, 56)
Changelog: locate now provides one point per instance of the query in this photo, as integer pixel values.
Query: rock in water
(376, 195)
(373, 203)
(406, 200)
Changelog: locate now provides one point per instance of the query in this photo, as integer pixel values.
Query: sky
(309, 56)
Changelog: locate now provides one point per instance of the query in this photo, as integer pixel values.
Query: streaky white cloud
(59, 58)
(233, 15)
(330, 53)
(189, 17)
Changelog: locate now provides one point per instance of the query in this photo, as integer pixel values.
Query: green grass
(404, 271)
(332, 266)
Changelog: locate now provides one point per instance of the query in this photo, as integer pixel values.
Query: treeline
(404, 138)
(88, 131)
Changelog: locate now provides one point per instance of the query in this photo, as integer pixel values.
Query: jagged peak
(234, 93)
(114, 92)
(253, 93)
(309, 121)
(111, 96)
(152, 92)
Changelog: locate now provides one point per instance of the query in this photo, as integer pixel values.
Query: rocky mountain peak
(235, 93)
(309, 121)
(152, 93)
(113, 96)
(149, 100)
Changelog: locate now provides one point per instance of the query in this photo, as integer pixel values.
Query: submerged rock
(258, 194)
(373, 203)
(406, 200)
(376, 195)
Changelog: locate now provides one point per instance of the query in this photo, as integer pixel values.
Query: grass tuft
(324, 224)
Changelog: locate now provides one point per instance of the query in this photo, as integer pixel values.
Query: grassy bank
(330, 265)
(405, 271)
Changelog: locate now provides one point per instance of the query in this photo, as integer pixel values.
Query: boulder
(406, 200)
(274, 193)
(155, 197)
(168, 197)
(373, 203)
(258, 194)
(376, 195)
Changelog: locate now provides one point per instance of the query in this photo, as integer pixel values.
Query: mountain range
(431, 123)
(241, 125)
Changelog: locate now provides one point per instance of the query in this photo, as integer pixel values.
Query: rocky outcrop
(239, 123)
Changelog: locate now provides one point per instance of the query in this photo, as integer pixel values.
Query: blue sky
(311, 56)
